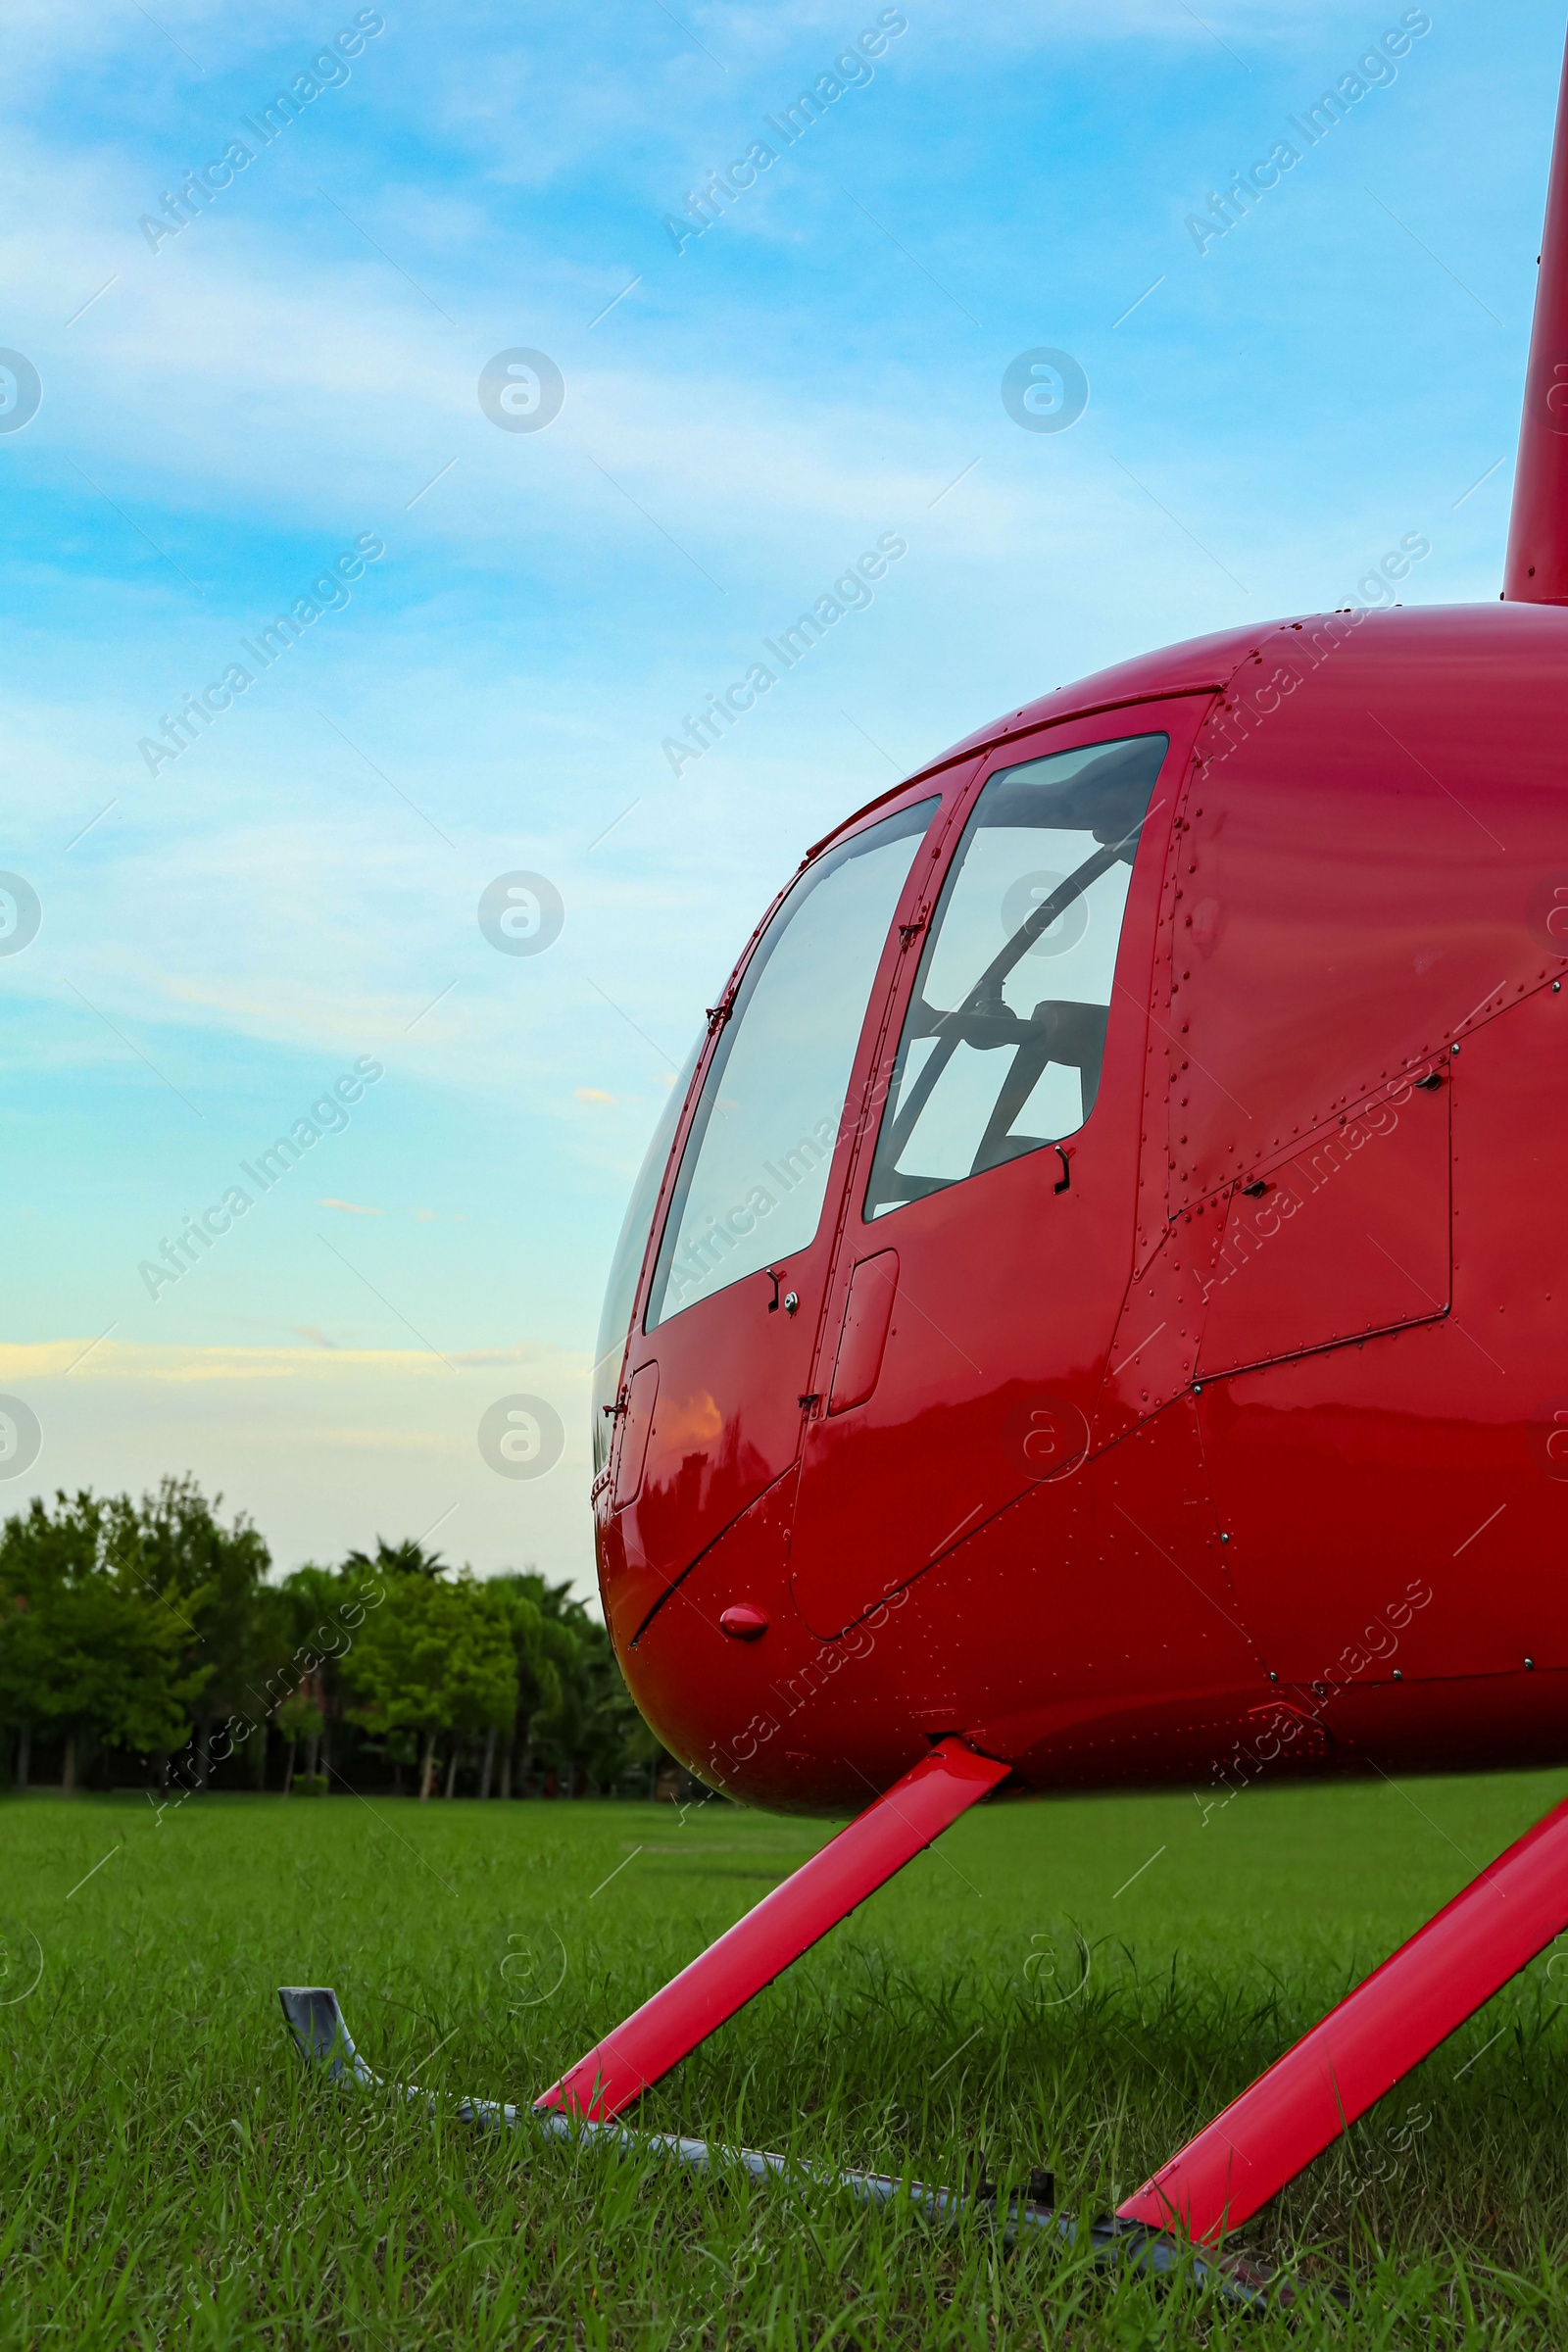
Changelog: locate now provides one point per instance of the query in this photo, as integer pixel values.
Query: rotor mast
(1536, 571)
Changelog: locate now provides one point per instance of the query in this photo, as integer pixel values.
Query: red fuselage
(1162, 1381)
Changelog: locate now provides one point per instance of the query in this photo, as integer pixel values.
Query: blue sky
(298, 368)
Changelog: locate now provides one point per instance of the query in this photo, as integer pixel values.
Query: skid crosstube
(1392, 2020)
(878, 1843)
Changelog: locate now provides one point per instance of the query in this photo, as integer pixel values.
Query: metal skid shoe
(315, 2020)
(584, 2104)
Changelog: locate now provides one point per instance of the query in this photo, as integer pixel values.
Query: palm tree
(408, 1558)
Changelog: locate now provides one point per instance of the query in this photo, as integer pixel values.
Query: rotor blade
(786, 1923)
(1388, 2025)
(1536, 570)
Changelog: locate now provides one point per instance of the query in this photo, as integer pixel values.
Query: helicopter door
(706, 1409)
(987, 1231)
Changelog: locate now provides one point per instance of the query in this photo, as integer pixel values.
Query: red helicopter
(1092, 1313)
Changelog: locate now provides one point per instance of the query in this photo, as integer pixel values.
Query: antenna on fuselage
(1536, 570)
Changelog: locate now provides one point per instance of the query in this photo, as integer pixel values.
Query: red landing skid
(900, 1823)
(1219, 2181)
(1221, 2178)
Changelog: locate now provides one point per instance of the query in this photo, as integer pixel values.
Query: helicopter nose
(737, 1685)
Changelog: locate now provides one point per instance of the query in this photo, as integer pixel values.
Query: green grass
(171, 2174)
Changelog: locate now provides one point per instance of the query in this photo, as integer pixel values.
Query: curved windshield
(620, 1291)
(755, 1171)
(1005, 1033)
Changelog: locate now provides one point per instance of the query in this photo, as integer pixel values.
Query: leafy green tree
(218, 1573)
(587, 1734)
(436, 1657)
(121, 1623)
(38, 1554)
(299, 1718)
(91, 1645)
(314, 1598)
(302, 1630)
(273, 1675)
(609, 1733)
(545, 1654)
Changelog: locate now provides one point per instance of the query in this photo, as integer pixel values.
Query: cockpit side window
(620, 1291)
(1005, 1033)
(755, 1169)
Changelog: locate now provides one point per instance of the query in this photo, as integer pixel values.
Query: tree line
(149, 1642)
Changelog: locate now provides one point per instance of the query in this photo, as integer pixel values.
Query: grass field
(171, 2174)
